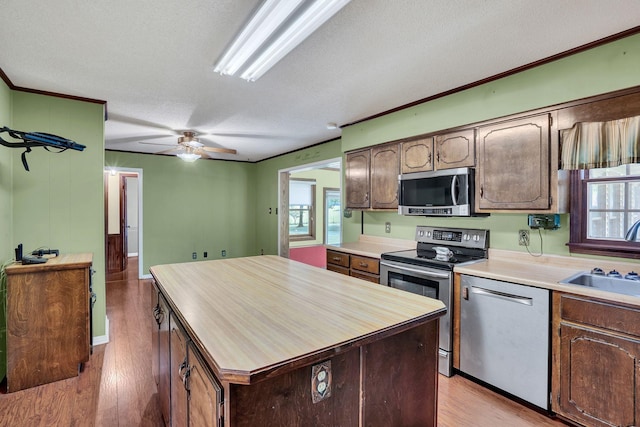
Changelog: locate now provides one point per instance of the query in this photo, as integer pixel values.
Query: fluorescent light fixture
(310, 20)
(279, 18)
(189, 157)
(262, 25)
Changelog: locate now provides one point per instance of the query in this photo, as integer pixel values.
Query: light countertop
(252, 316)
(547, 271)
(373, 246)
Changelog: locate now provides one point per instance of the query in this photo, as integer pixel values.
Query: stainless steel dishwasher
(504, 337)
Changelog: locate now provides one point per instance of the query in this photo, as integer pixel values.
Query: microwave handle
(454, 194)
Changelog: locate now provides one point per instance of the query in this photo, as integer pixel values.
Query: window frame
(312, 214)
(578, 240)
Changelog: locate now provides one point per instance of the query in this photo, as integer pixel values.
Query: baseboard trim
(147, 276)
(103, 339)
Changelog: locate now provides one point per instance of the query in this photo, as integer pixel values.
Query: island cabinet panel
(455, 150)
(179, 371)
(513, 165)
(48, 320)
(383, 381)
(164, 362)
(416, 156)
(596, 381)
(205, 393)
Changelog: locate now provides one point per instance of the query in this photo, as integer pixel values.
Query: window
(302, 200)
(605, 203)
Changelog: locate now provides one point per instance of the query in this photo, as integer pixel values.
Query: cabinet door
(513, 165)
(164, 362)
(179, 371)
(599, 381)
(455, 150)
(357, 179)
(154, 308)
(384, 176)
(205, 393)
(417, 156)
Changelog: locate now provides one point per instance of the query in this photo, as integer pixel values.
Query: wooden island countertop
(254, 315)
(292, 344)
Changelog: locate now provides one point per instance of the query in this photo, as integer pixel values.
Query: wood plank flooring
(117, 389)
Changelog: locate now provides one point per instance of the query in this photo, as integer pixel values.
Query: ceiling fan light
(298, 30)
(263, 24)
(189, 157)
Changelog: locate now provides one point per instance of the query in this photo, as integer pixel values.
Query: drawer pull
(364, 264)
(336, 258)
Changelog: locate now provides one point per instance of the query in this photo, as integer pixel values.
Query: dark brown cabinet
(371, 177)
(362, 267)
(513, 165)
(357, 179)
(417, 155)
(48, 320)
(596, 381)
(189, 394)
(455, 150)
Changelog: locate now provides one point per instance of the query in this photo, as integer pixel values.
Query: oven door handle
(415, 270)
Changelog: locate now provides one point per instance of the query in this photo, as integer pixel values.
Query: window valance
(591, 145)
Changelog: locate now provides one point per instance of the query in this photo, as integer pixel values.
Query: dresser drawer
(601, 314)
(365, 276)
(370, 265)
(337, 258)
(338, 269)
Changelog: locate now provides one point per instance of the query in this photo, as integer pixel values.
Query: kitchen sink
(604, 283)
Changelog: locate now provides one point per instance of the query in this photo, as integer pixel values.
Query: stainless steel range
(428, 271)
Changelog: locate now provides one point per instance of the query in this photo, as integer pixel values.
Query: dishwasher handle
(497, 294)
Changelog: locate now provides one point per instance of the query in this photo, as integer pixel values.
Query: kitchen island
(284, 343)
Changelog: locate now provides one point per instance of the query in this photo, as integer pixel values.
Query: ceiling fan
(190, 149)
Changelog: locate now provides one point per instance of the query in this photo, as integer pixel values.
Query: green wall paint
(207, 205)
(603, 69)
(266, 185)
(59, 203)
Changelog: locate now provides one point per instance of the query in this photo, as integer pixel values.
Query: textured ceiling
(152, 61)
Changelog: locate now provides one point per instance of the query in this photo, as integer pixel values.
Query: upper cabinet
(513, 165)
(417, 155)
(455, 150)
(371, 177)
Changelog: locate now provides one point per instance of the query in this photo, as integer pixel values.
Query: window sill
(629, 250)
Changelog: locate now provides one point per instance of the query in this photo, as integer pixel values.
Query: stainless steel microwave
(448, 192)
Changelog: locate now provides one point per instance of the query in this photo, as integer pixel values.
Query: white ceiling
(152, 61)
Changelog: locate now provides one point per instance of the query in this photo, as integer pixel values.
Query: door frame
(129, 171)
(283, 199)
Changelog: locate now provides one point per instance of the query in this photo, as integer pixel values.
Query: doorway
(323, 180)
(123, 219)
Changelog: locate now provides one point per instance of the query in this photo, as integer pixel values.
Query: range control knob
(632, 275)
(476, 237)
(597, 271)
(466, 237)
(614, 273)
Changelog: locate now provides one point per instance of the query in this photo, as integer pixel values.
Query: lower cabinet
(189, 394)
(362, 267)
(596, 380)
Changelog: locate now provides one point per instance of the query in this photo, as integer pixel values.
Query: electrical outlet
(523, 237)
(387, 227)
(205, 254)
(321, 381)
(194, 255)
(224, 253)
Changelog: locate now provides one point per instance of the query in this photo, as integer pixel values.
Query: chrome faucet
(632, 233)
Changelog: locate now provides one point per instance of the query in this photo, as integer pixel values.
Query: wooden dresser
(48, 320)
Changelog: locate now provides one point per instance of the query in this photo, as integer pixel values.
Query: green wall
(266, 185)
(59, 203)
(603, 69)
(207, 205)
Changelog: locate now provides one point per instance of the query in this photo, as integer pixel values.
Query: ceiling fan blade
(170, 150)
(170, 144)
(218, 150)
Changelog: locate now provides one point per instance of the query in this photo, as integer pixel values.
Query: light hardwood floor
(117, 389)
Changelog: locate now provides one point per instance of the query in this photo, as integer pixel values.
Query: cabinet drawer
(601, 314)
(370, 265)
(337, 258)
(338, 269)
(365, 276)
